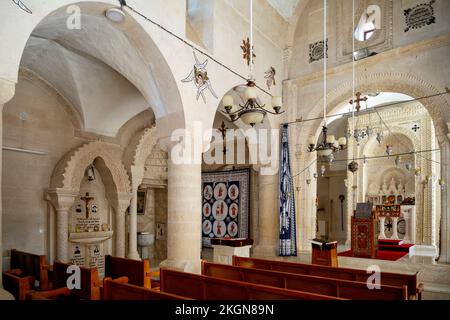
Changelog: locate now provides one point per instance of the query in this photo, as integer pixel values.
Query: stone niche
(89, 224)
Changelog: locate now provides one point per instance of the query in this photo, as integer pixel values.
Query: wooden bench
(137, 271)
(313, 284)
(119, 289)
(26, 270)
(200, 287)
(387, 278)
(90, 283)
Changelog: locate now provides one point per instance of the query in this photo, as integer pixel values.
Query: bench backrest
(387, 278)
(90, 282)
(113, 290)
(208, 288)
(138, 272)
(313, 284)
(31, 264)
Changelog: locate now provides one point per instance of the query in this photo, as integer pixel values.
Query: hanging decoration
(252, 112)
(288, 242)
(328, 145)
(248, 54)
(22, 6)
(199, 75)
(270, 77)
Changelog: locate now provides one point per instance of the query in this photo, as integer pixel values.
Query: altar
(224, 249)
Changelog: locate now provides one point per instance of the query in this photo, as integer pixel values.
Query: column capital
(61, 199)
(7, 90)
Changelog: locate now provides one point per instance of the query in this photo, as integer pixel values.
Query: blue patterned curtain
(288, 242)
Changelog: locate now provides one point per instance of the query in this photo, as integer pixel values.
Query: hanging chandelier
(328, 144)
(251, 112)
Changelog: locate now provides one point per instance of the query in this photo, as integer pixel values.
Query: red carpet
(387, 250)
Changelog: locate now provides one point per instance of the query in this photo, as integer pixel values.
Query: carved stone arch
(70, 169)
(408, 84)
(365, 144)
(145, 146)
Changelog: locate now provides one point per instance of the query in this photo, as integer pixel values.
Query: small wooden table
(224, 249)
(324, 253)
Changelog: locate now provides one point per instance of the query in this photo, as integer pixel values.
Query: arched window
(368, 23)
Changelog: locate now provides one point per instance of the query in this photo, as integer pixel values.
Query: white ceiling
(285, 8)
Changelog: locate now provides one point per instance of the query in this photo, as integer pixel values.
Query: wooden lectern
(364, 232)
(324, 252)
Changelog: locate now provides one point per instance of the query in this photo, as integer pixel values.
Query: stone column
(7, 89)
(382, 235)
(267, 245)
(394, 228)
(119, 230)
(184, 216)
(137, 176)
(62, 201)
(445, 202)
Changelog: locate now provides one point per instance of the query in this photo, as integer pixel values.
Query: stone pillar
(267, 245)
(7, 89)
(62, 200)
(382, 235)
(137, 176)
(394, 228)
(184, 217)
(445, 202)
(119, 230)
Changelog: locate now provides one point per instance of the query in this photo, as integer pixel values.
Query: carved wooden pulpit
(364, 232)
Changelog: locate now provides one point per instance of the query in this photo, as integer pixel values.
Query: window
(368, 23)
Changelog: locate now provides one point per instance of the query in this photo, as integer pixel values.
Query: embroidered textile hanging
(288, 242)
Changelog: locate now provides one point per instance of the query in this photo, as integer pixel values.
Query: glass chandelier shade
(251, 112)
(328, 144)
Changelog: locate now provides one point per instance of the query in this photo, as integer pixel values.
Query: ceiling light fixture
(329, 144)
(115, 15)
(251, 112)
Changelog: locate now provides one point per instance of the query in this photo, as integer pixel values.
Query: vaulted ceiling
(285, 8)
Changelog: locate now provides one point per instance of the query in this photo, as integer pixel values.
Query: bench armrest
(48, 295)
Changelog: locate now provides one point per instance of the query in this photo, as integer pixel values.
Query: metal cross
(223, 130)
(415, 128)
(358, 100)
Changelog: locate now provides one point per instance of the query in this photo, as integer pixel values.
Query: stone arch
(145, 146)
(407, 84)
(154, 78)
(70, 170)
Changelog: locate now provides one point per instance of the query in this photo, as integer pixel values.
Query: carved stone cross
(87, 199)
(415, 128)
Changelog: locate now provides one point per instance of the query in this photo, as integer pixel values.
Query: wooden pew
(208, 288)
(137, 271)
(90, 282)
(387, 278)
(313, 284)
(26, 269)
(121, 290)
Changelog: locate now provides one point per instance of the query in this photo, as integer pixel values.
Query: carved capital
(61, 199)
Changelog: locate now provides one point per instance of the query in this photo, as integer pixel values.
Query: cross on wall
(415, 128)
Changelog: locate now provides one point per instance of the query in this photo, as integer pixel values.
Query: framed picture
(225, 205)
(141, 202)
(160, 231)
